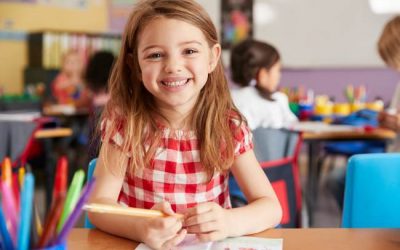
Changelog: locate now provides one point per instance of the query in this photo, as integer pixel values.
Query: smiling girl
(171, 135)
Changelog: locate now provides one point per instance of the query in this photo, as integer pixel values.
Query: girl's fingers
(212, 236)
(203, 228)
(199, 209)
(164, 207)
(175, 240)
(199, 219)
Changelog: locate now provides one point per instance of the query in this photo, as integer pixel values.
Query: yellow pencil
(129, 211)
(21, 175)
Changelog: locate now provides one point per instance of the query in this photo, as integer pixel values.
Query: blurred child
(171, 135)
(389, 50)
(256, 67)
(68, 86)
(96, 77)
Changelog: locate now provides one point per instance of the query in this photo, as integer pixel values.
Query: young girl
(256, 67)
(171, 135)
(68, 87)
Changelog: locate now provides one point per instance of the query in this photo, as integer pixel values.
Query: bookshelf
(46, 50)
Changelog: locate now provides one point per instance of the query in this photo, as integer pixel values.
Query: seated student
(170, 135)
(96, 79)
(68, 86)
(256, 67)
(389, 50)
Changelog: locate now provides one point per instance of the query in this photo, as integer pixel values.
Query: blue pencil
(26, 212)
(74, 216)
(5, 236)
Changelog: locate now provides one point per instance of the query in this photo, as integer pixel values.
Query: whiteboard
(318, 33)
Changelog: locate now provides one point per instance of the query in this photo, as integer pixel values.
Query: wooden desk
(315, 141)
(310, 239)
(53, 132)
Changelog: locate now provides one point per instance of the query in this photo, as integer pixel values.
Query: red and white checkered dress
(176, 174)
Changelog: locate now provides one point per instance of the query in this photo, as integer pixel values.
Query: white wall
(318, 33)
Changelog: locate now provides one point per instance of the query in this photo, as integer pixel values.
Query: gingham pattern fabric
(176, 174)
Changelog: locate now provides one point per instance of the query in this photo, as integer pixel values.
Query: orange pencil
(6, 173)
(51, 221)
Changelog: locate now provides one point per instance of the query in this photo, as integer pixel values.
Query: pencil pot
(61, 246)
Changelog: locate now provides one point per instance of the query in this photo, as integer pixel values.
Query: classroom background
(328, 51)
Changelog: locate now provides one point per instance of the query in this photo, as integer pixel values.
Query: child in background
(68, 87)
(389, 50)
(171, 134)
(96, 78)
(256, 67)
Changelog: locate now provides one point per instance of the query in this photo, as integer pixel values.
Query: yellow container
(376, 106)
(356, 106)
(323, 109)
(341, 109)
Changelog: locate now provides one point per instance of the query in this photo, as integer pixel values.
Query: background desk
(310, 239)
(315, 139)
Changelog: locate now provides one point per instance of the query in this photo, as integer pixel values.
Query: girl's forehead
(163, 29)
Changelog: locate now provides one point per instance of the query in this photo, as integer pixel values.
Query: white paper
(318, 127)
(238, 243)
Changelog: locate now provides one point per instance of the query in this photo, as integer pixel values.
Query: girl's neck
(176, 120)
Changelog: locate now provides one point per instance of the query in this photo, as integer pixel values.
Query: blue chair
(372, 191)
(92, 166)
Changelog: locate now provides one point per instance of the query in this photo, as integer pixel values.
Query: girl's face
(269, 79)
(73, 64)
(175, 60)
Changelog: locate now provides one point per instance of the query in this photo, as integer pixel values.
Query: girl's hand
(209, 221)
(163, 233)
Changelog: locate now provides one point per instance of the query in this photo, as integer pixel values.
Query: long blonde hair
(132, 105)
(389, 43)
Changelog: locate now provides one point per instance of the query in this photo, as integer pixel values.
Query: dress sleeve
(112, 133)
(243, 137)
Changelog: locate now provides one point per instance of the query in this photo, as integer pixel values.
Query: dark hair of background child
(98, 71)
(247, 58)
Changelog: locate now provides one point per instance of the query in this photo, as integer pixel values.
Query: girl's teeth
(175, 84)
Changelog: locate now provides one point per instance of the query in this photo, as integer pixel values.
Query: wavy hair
(132, 105)
(389, 43)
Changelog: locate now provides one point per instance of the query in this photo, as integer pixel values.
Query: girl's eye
(190, 51)
(155, 56)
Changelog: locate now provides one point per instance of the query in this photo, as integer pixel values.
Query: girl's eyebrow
(180, 44)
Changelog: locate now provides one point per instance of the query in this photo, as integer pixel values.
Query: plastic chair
(91, 167)
(372, 191)
(277, 151)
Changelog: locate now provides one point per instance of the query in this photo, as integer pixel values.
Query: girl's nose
(173, 65)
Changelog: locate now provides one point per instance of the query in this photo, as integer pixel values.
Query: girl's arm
(110, 173)
(211, 222)
(263, 210)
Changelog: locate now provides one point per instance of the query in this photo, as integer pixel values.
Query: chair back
(91, 168)
(277, 151)
(372, 191)
(273, 144)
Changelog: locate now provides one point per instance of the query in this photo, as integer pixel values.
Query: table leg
(311, 186)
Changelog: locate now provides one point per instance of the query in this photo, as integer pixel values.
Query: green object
(72, 197)
(294, 107)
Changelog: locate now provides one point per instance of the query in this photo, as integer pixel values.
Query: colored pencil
(74, 216)
(5, 236)
(26, 212)
(128, 211)
(72, 197)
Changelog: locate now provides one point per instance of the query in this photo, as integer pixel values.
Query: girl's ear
(262, 75)
(214, 58)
